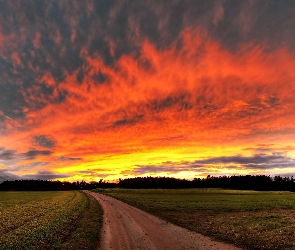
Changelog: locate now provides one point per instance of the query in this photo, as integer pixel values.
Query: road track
(129, 228)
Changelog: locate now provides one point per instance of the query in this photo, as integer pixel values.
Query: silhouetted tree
(241, 182)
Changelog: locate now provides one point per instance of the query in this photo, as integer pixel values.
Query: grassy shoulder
(48, 220)
(249, 219)
(86, 234)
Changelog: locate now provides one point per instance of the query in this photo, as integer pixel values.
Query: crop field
(47, 220)
(249, 219)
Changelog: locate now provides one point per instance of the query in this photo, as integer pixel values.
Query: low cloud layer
(6, 155)
(7, 176)
(33, 153)
(45, 175)
(64, 158)
(255, 162)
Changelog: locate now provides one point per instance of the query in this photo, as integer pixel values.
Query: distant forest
(242, 182)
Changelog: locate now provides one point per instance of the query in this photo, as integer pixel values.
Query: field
(249, 219)
(47, 220)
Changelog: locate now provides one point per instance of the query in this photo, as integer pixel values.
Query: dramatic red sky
(113, 89)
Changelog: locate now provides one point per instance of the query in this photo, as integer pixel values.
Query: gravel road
(126, 227)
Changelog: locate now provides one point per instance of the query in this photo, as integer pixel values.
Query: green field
(47, 220)
(249, 219)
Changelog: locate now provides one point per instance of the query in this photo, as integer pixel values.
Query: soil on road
(126, 227)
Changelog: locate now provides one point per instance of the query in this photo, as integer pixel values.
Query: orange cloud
(107, 112)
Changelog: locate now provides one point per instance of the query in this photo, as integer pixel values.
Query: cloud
(45, 175)
(94, 174)
(7, 176)
(128, 121)
(219, 12)
(27, 167)
(268, 148)
(245, 160)
(155, 76)
(290, 174)
(7, 154)
(237, 162)
(98, 79)
(171, 169)
(44, 141)
(63, 158)
(276, 160)
(34, 153)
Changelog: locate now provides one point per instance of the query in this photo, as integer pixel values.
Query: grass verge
(249, 219)
(86, 235)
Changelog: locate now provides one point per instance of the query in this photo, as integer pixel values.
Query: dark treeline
(246, 182)
(43, 185)
(242, 182)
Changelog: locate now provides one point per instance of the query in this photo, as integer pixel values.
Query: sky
(109, 89)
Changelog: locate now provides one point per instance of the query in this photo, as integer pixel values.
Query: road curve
(127, 227)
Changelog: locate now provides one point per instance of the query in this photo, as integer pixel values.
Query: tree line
(45, 185)
(241, 182)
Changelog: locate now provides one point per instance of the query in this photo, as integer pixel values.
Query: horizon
(120, 89)
(290, 177)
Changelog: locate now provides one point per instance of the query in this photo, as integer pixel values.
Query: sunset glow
(113, 89)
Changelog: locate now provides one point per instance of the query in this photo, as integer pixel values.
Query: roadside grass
(47, 220)
(249, 219)
(87, 232)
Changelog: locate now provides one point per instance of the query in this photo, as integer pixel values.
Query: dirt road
(126, 227)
